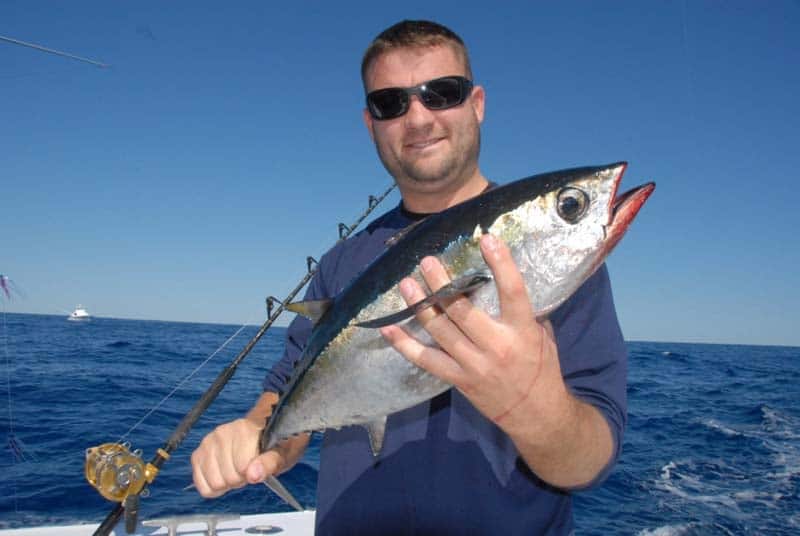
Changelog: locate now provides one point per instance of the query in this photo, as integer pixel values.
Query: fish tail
(278, 489)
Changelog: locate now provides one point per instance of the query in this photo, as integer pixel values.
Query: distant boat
(79, 314)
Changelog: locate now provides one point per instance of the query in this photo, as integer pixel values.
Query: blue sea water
(712, 445)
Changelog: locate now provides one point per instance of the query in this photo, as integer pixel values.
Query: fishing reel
(120, 476)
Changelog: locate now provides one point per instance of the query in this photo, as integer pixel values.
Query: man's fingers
(261, 467)
(219, 463)
(437, 277)
(202, 485)
(473, 322)
(446, 334)
(430, 359)
(413, 293)
(211, 481)
(515, 306)
(269, 463)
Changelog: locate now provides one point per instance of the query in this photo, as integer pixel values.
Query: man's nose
(417, 114)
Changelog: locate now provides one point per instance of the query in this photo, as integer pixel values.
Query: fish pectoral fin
(462, 285)
(376, 430)
(311, 309)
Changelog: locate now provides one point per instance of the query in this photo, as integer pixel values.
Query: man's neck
(421, 201)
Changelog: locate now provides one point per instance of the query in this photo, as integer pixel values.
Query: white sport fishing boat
(227, 524)
(79, 314)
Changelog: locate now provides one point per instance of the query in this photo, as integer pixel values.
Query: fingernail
(257, 472)
(491, 242)
(386, 332)
(406, 288)
(427, 264)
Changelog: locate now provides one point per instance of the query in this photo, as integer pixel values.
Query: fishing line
(53, 51)
(8, 374)
(180, 384)
(10, 412)
(14, 446)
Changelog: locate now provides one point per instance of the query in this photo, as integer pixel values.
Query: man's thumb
(255, 472)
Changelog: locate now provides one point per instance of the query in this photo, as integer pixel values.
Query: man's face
(426, 150)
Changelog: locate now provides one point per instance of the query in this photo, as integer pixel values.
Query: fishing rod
(120, 475)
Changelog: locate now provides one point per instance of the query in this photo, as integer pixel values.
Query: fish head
(567, 227)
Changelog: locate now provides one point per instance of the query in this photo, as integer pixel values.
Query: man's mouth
(421, 145)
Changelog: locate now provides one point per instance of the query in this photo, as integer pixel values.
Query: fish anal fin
(277, 488)
(375, 431)
(311, 309)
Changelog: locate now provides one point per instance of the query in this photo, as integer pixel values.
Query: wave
(767, 425)
(690, 482)
(768, 499)
(724, 490)
(685, 529)
(669, 530)
(779, 424)
(673, 354)
(717, 426)
(788, 465)
(658, 352)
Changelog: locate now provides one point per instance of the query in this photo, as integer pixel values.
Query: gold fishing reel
(116, 472)
(121, 476)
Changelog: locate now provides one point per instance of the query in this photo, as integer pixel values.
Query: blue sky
(192, 178)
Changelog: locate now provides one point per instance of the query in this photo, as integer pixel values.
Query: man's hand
(496, 362)
(228, 457)
(508, 368)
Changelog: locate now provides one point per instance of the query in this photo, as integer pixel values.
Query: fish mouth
(624, 208)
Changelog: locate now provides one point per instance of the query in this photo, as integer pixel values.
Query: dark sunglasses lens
(387, 103)
(437, 94)
(442, 93)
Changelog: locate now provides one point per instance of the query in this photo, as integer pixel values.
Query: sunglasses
(437, 94)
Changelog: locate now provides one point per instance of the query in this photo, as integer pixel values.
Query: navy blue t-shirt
(444, 468)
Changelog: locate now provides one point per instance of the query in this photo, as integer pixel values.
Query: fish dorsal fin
(375, 430)
(402, 232)
(462, 285)
(311, 309)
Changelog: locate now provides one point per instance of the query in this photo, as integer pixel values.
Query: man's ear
(478, 102)
(368, 121)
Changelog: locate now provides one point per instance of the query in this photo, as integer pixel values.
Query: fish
(559, 226)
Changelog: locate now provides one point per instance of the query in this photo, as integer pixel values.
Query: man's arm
(508, 367)
(567, 444)
(228, 457)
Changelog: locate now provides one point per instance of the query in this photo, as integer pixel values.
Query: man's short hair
(414, 34)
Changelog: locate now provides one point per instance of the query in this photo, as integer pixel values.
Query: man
(537, 408)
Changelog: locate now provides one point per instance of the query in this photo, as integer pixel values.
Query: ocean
(712, 444)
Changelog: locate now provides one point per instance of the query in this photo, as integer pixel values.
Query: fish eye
(572, 204)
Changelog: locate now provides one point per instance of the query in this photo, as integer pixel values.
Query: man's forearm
(569, 446)
(263, 407)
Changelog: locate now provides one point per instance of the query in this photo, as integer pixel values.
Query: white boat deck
(285, 524)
